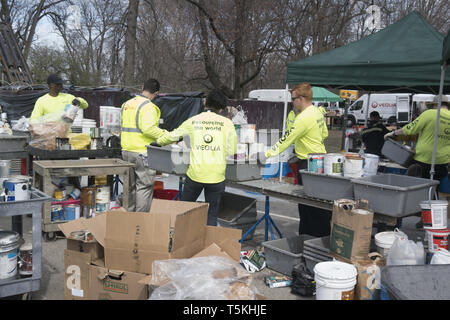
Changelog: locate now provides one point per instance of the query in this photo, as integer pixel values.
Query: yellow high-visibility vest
(48, 104)
(139, 124)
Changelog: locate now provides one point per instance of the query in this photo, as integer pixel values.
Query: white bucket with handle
(335, 280)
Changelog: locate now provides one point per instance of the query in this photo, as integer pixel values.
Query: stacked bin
(238, 212)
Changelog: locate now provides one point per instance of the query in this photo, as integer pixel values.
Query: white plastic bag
(405, 251)
(441, 257)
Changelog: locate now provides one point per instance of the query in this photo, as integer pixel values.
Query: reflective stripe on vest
(137, 129)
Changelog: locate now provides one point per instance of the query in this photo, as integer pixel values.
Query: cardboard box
(171, 230)
(76, 275)
(105, 284)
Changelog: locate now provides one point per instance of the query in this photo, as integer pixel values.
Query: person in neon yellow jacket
(213, 138)
(139, 128)
(308, 134)
(55, 101)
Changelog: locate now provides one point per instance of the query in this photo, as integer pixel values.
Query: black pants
(213, 195)
(422, 170)
(313, 221)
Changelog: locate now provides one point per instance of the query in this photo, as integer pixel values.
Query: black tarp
(178, 107)
(19, 101)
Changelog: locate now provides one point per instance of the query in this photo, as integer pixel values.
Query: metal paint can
(101, 207)
(57, 213)
(16, 189)
(71, 212)
(9, 243)
(316, 162)
(60, 194)
(5, 168)
(88, 196)
(75, 194)
(26, 260)
(62, 144)
(103, 194)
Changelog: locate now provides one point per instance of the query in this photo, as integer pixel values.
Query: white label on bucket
(77, 293)
(438, 215)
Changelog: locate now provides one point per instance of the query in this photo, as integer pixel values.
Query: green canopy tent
(322, 94)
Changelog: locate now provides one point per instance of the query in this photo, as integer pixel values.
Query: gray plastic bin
(323, 186)
(417, 282)
(398, 153)
(168, 160)
(283, 254)
(243, 172)
(238, 212)
(394, 195)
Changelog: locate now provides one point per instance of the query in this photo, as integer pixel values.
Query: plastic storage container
(243, 172)
(398, 153)
(328, 187)
(168, 160)
(393, 195)
(283, 254)
(316, 251)
(238, 212)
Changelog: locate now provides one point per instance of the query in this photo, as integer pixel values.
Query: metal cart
(44, 171)
(17, 285)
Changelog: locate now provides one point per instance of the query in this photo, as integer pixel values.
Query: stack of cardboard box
(116, 265)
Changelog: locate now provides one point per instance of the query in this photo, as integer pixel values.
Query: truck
(394, 108)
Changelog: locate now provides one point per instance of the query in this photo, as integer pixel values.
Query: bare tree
(130, 42)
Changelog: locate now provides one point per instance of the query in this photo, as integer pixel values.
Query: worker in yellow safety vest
(55, 101)
(213, 138)
(139, 128)
(308, 134)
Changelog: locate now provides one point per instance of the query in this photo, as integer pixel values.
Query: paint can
(71, 212)
(434, 214)
(437, 239)
(370, 164)
(353, 166)
(60, 194)
(9, 243)
(103, 194)
(88, 196)
(5, 169)
(16, 189)
(101, 180)
(57, 213)
(63, 144)
(101, 207)
(316, 162)
(25, 264)
(96, 143)
(333, 164)
(75, 194)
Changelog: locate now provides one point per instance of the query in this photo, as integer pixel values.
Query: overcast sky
(47, 35)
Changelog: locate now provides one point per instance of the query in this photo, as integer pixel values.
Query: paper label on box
(78, 293)
(342, 241)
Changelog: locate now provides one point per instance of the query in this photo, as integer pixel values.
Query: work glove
(389, 135)
(262, 158)
(154, 144)
(76, 102)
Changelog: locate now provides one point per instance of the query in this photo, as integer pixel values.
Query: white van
(392, 107)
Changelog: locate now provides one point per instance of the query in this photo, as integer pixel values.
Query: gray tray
(168, 160)
(396, 152)
(328, 187)
(394, 195)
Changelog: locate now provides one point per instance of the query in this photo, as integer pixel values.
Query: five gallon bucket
(333, 164)
(384, 242)
(437, 239)
(434, 214)
(370, 164)
(335, 280)
(9, 243)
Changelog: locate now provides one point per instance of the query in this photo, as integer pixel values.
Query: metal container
(96, 143)
(25, 263)
(88, 196)
(316, 162)
(9, 243)
(63, 144)
(5, 168)
(17, 189)
(57, 213)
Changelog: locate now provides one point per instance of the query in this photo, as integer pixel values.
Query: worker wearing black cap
(373, 135)
(55, 101)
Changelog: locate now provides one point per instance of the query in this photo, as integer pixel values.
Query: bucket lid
(428, 202)
(369, 155)
(335, 270)
(9, 240)
(387, 237)
(443, 231)
(353, 157)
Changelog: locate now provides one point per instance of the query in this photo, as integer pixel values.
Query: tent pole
(436, 132)
(284, 126)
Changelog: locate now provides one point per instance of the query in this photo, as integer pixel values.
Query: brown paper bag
(369, 276)
(351, 229)
(45, 134)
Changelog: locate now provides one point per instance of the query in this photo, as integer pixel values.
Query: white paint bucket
(109, 117)
(353, 166)
(102, 195)
(16, 189)
(316, 162)
(333, 164)
(434, 214)
(437, 239)
(370, 164)
(335, 280)
(9, 243)
(384, 242)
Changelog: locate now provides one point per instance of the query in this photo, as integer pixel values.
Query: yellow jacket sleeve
(84, 104)
(231, 142)
(297, 130)
(148, 123)
(38, 110)
(175, 135)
